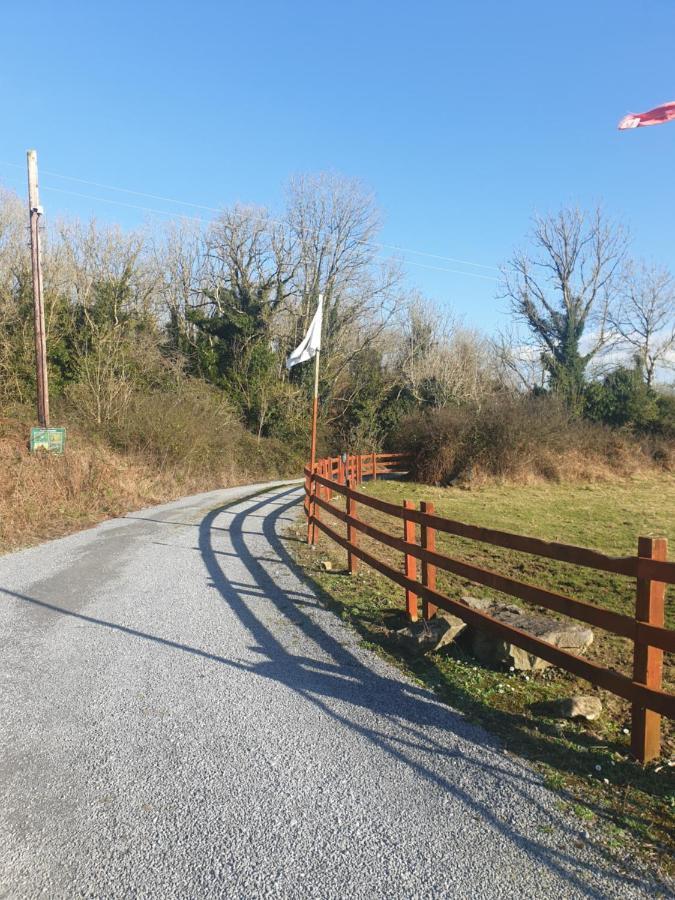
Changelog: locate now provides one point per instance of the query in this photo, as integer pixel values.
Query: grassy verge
(46, 496)
(630, 808)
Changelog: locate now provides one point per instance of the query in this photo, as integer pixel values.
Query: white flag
(311, 343)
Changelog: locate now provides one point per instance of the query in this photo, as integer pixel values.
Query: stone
(577, 707)
(326, 565)
(495, 651)
(427, 636)
(455, 626)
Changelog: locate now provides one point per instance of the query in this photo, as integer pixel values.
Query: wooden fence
(649, 567)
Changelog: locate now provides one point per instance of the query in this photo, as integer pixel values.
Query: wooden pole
(319, 491)
(315, 410)
(314, 488)
(35, 211)
(647, 660)
(428, 541)
(311, 508)
(410, 564)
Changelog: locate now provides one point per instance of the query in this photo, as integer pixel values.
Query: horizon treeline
(203, 317)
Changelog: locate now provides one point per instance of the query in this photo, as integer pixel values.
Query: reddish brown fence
(649, 567)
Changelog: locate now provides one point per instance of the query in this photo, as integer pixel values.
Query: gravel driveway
(179, 717)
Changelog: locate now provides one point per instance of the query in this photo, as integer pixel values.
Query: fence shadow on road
(406, 711)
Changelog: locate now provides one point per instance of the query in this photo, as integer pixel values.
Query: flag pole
(315, 410)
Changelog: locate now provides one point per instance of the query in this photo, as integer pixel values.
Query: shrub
(192, 430)
(519, 437)
(622, 398)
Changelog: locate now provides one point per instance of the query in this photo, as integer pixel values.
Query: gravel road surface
(179, 717)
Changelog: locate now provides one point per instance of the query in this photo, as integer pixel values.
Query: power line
(109, 187)
(411, 262)
(200, 219)
(164, 212)
(373, 244)
(216, 209)
(464, 262)
(161, 212)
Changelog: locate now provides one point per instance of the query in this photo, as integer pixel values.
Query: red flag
(653, 117)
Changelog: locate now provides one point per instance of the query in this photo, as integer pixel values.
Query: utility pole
(35, 211)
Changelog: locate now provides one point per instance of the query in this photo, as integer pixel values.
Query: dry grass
(43, 497)
(525, 440)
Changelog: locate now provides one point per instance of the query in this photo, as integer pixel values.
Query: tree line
(218, 307)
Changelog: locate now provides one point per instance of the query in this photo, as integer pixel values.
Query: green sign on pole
(51, 439)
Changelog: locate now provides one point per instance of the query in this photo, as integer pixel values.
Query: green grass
(631, 807)
(608, 516)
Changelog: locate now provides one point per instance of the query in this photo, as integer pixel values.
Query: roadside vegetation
(166, 350)
(163, 452)
(630, 808)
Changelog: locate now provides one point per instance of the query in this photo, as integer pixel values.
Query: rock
(455, 626)
(577, 707)
(426, 636)
(461, 479)
(326, 565)
(493, 650)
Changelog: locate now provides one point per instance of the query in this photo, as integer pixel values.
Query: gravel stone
(182, 718)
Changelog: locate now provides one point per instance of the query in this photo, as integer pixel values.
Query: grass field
(631, 808)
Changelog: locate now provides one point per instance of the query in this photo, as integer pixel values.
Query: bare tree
(247, 251)
(334, 222)
(645, 317)
(94, 256)
(439, 360)
(109, 312)
(563, 290)
(178, 256)
(519, 364)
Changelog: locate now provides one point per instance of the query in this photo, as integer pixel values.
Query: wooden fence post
(410, 564)
(374, 465)
(319, 471)
(311, 509)
(329, 476)
(428, 541)
(352, 533)
(647, 660)
(317, 512)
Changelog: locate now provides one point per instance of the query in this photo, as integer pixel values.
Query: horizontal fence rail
(649, 567)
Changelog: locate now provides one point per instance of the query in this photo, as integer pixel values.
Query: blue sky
(463, 117)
